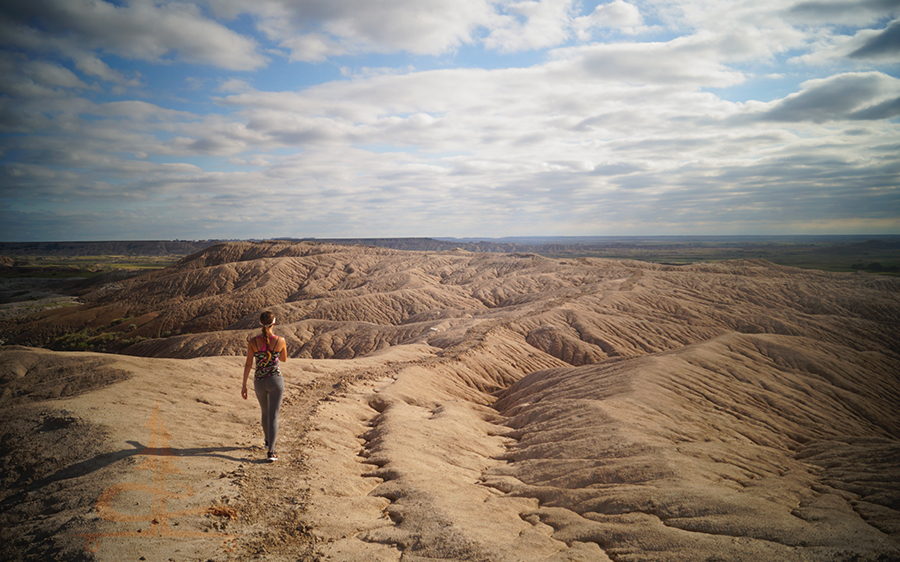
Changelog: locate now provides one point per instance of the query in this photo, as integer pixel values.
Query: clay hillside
(459, 406)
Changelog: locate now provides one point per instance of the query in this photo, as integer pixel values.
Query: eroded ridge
(404, 457)
(511, 407)
(737, 448)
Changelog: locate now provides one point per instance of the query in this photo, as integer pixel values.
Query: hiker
(268, 384)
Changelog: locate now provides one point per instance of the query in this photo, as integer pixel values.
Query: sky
(229, 119)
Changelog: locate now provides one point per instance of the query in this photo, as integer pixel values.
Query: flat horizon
(508, 239)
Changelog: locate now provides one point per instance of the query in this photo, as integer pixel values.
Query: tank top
(266, 362)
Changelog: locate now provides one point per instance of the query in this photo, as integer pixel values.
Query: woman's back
(266, 355)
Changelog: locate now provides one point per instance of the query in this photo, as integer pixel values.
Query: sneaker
(271, 456)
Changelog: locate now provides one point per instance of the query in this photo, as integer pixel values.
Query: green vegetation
(65, 267)
(876, 267)
(93, 340)
(46, 273)
(871, 256)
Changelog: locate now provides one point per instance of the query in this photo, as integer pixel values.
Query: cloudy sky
(146, 119)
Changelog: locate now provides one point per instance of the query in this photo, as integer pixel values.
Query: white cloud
(863, 48)
(138, 30)
(882, 46)
(617, 15)
(531, 24)
(93, 66)
(314, 30)
(689, 60)
(842, 12)
(53, 75)
(37, 80)
(234, 85)
(597, 138)
(314, 47)
(851, 96)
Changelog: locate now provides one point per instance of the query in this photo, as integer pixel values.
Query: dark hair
(267, 319)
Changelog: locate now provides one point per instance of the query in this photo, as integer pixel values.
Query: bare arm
(247, 365)
(282, 355)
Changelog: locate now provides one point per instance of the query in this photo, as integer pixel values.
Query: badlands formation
(461, 406)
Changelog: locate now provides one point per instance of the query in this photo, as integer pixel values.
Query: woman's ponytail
(267, 319)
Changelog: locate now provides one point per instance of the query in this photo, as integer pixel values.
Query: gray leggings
(269, 392)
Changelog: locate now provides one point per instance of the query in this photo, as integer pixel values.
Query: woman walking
(267, 349)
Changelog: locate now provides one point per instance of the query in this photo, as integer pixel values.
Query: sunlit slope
(338, 301)
(784, 442)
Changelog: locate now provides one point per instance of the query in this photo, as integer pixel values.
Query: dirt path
(158, 458)
(274, 497)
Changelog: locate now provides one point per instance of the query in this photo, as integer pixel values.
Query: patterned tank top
(266, 362)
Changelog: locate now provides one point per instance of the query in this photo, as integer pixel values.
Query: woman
(267, 349)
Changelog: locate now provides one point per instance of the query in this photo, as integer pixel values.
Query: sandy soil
(465, 407)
